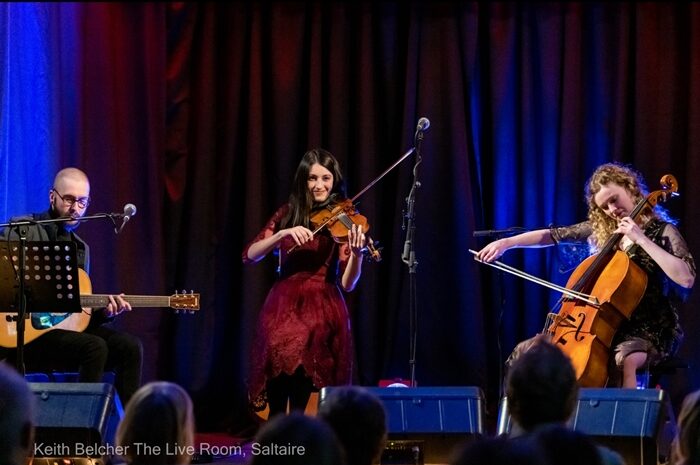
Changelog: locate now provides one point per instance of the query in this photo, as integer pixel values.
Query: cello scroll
(669, 189)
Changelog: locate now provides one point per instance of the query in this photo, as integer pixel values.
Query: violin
(338, 218)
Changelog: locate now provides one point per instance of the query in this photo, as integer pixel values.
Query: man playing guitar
(99, 346)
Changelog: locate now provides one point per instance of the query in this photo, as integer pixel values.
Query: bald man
(100, 346)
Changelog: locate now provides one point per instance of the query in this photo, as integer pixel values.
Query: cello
(601, 293)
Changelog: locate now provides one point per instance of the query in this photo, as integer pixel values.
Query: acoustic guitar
(40, 323)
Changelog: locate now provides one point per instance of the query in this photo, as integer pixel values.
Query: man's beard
(53, 213)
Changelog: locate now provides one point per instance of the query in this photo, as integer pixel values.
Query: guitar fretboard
(99, 301)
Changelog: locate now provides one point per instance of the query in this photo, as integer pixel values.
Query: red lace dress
(304, 320)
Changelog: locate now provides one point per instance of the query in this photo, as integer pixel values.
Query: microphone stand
(21, 294)
(409, 257)
(111, 216)
(21, 287)
(498, 233)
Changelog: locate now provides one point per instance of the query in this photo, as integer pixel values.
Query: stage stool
(63, 377)
(72, 377)
(37, 378)
(649, 377)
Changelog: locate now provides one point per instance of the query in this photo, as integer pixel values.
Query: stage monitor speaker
(426, 423)
(628, 421)
(76, 419)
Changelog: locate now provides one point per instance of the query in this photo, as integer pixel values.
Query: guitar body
(38, 324)
(33, 327)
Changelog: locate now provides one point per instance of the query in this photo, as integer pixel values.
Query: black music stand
(45, 292)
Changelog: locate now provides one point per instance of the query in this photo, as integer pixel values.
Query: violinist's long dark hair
(301, 201)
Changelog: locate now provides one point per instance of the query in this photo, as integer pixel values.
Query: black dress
(654, 325)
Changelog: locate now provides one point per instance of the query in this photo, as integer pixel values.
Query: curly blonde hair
(628, 178)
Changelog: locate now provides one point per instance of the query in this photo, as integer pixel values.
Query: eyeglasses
(69, 200)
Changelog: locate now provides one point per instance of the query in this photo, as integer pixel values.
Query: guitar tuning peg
(176, 292)
(191, 292)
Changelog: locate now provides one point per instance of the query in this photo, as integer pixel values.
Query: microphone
(129, 211)
(423, 124)
(406, 250)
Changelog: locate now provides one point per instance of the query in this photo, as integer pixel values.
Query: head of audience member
(541, 387)
(306, 440)
(496, 451)
(357, 416)
(559, 444)
(686, 444)
(17, 411)
(158, 416)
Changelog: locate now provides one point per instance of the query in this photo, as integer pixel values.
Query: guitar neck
(99, 301)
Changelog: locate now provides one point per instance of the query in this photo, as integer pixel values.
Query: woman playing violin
(652, 242)
(303, 340)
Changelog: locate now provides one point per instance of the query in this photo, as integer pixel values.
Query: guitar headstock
(187, 302)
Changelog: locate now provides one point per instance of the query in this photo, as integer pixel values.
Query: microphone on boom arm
(129, 211)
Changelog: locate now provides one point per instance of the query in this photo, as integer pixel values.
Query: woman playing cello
(652, 241)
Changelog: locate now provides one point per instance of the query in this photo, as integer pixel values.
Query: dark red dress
(304, 320)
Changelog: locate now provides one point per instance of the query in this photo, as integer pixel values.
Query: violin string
(343, 218)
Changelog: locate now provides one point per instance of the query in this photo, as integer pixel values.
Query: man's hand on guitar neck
(116, 305)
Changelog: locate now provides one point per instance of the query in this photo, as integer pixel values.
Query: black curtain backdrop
(199, 114)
